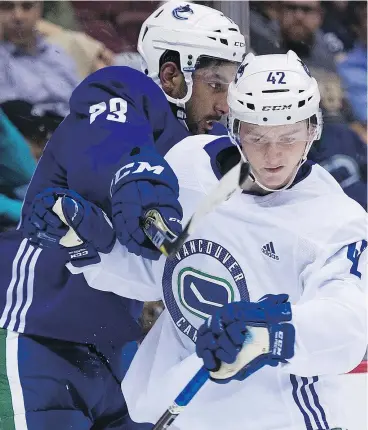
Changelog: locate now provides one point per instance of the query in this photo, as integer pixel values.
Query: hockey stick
(169, 244)
(165, 240)
(185, 396)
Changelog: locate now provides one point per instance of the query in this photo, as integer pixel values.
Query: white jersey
(305, 241)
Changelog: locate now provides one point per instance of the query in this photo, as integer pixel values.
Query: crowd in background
(47, 48)
(331, 38)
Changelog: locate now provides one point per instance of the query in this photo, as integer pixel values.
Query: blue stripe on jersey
(307, 421)
(311, 402)
(317, 402)
(304, 393)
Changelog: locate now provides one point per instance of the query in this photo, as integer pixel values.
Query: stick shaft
(183, 399)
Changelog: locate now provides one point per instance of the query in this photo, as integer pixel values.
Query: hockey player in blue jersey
(60, 340)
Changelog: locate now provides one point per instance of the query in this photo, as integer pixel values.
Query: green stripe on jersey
(6, 405)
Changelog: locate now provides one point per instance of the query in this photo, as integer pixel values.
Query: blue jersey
(111, 112)
(344, 155)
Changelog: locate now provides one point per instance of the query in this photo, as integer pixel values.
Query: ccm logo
(283, 107)
(127, 169)
(241, 44)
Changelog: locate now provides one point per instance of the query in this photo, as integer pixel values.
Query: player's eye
(287, 140)
(254, 140)
(216, 86)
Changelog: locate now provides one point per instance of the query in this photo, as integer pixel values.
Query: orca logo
(201, 278)
(179, 11)
(193, 291)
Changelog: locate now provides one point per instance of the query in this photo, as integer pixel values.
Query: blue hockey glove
(243, 337)
(61, 218)
(146, 181)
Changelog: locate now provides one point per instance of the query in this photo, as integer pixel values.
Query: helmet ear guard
(274, 90)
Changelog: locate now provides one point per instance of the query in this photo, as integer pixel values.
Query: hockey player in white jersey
(292, 234)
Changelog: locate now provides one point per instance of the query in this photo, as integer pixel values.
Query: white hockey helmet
(275, 89)
(193, 31)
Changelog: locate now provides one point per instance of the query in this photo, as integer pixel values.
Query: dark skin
(208, 102)
(18, 22)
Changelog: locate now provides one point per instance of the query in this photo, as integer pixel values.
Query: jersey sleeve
(112, 111)
(122, 273)
(134, 277)
(330, 319)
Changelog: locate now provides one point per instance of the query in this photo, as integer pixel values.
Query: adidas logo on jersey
(269, 250)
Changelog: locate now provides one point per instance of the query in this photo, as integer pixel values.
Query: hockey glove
(145, 182)
(61, 218)
(243, 337)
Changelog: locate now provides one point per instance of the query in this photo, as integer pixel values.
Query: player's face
(274, 151)
(209, 97)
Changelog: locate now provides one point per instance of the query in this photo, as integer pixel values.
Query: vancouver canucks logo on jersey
(182, 12)
(201, 278)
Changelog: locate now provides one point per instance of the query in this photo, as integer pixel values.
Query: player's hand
(61, 218)
(145, 181)
(243, 337)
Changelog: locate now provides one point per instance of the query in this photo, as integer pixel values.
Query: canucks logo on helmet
(179, 11)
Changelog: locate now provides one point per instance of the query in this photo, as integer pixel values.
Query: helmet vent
(224, 41)
(145, 32)
(156, 16)
(301, 103)
(275, 91)
(250, 106)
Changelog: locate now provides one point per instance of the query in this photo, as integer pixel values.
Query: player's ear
(172, 80)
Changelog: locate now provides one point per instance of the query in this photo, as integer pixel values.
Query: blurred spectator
(298, 29)
(35, 125)
(263, 26)
(129, 59)
(16, 170)
(31, 69)
(336, 32)
(344, 155)
(115, 23)
(300, 23)
(353, 67)
(60, 13)
(89, 54)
